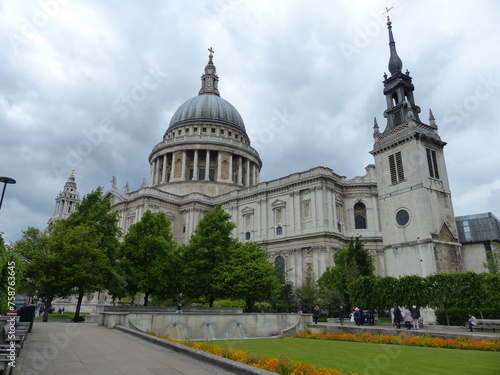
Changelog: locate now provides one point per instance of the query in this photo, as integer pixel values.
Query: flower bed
(433, 342)
(281, 365)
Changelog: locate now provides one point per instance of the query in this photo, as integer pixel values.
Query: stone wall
(192, 326)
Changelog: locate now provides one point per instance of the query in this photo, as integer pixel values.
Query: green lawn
(371, 359)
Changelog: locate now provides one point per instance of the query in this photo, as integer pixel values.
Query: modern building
(476, 234)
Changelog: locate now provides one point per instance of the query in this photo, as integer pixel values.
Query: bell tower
(417, 219)
(66, 200)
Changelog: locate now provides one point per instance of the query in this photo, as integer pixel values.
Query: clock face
(402, 217)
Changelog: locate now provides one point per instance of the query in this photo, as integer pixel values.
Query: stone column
(240, 171)
(184, 165)
(330, 207)
(247, 177)
(151, 173)
(219, 166)
(321, 206)
(231, 168)
(164, 171)
(312, 206)
(207, 166)
(157, 171)
(297, 213)
(195, 166)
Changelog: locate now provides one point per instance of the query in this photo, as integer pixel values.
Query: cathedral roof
(208, 106)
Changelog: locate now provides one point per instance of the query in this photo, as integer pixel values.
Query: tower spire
(210, 79)
(395, 63)
(66, 200)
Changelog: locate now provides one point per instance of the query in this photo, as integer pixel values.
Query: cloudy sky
(92, 85)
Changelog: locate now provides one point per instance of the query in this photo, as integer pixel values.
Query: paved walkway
(79, 348)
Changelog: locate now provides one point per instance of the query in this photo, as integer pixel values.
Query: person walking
(316, 312)
(407, 318)
(357, 316)
(415, 315)
(397, 317)
(341, 313)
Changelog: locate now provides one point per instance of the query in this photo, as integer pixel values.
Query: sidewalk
(83, 348)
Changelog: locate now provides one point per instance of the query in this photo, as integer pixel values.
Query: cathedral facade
(401, 207)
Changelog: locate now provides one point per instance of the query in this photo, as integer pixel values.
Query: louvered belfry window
(432, 162)
(396, 168)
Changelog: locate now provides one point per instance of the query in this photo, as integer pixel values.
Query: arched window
(279, 230)
(279, 265)
(359, 216)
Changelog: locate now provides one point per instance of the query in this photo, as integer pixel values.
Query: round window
(402, 217)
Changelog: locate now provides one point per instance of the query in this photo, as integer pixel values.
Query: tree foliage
(43, 275)
(149, 257)
(350, 263)
(85, 265)
(493, 258)
(206, 253)
(11, 270)
(308, 292)
(95, 213)
(247, 275)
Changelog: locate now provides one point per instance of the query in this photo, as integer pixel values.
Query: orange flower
(433, 342)
(280, 365)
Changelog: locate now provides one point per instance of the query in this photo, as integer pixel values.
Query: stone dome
(208, 108)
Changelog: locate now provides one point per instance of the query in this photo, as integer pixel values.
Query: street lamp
(5, 180)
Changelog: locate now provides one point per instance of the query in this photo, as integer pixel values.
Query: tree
(308, 292)
(414, 290)
(331, 300)
(350, 263)
(207, 251)
(387, 292)
(11, 270)
(363, 292)
(284, 295)
(443, 292)
(358, 255)
(149, 253)
(491, 290)
(247, 275)
(493, 258)
(84, 266)
(95, 212)
(43, 277)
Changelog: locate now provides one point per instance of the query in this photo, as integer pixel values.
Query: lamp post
(5, 180)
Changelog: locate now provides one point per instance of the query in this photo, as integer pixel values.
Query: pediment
(248, 211)
(278, 203)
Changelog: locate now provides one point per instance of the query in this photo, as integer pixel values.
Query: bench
(16, 335)
(486, 324)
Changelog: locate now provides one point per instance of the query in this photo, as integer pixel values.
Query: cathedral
(401, 207)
